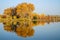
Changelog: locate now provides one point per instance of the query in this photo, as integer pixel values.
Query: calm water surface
(48, 31)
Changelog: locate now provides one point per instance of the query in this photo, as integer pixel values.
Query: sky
(49, 7)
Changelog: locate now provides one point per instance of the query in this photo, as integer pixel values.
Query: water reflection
(22, 28)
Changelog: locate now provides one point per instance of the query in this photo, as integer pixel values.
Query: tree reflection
(22, 28)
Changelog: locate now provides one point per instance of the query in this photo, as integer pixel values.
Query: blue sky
(51, 7)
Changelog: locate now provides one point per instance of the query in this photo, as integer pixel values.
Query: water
(41, 32)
